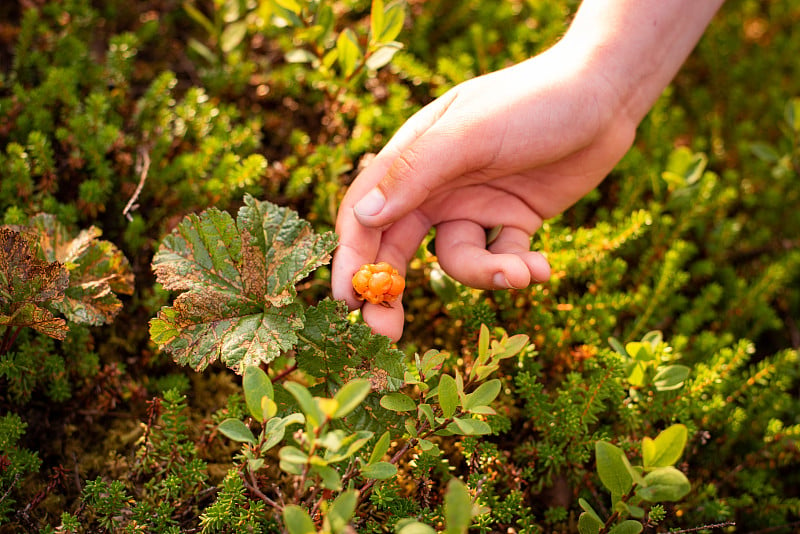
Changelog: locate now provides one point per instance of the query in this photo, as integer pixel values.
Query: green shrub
(670, 322)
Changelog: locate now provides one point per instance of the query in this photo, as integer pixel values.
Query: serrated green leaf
(666, 449)
(278, 250)
(612, 468)
(348, 51)
(297, 521)
(330, 343)
(202, 327)
(239, 281)
(664, 484)
(256, 385)
(27, 284)
(351, 395)
(398, 402)
(379, 470)
(448, 395)
(628, 526)
(483, 395)
(237, 431)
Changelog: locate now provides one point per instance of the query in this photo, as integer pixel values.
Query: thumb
(427, 152)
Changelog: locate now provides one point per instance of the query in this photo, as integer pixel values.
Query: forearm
(637, 46)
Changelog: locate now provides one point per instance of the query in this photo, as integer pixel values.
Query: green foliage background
(127, 116)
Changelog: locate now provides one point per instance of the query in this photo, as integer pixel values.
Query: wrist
(635, 47)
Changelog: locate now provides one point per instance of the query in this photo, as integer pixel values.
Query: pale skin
(512, 148)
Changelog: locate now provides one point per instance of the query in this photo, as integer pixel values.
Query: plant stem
(280, 377)
(9, 337)
(612, 519)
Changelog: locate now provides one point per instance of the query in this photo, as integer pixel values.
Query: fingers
(397, 245)
(462, 253)
(427, 152)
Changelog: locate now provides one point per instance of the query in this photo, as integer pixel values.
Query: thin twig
(280, 377)
(142, 167)
(252, 485)
(705, 527)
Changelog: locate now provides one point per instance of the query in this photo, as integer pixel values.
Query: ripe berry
(378, 283)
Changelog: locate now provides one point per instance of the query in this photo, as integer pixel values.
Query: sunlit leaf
(28, 284)
(666, 449)
(98, 271)
(670, 377)
(350, 396)
(469, 427)
(349, 52)
(238, 280)
(391, 23)
(383, 55)
(612, 468)
(256, 385)
(233, 35)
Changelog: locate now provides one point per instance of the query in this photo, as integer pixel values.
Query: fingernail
(500, 281)
(371, 204)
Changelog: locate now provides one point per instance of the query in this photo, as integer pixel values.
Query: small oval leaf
(398, 402)
(237, 431)
(379, 470)
(448, 396)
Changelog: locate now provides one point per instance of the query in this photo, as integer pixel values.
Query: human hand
(511, 148)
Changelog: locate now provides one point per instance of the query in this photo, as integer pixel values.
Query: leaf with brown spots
(238, 279)
(29, 284)
(98, 271)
